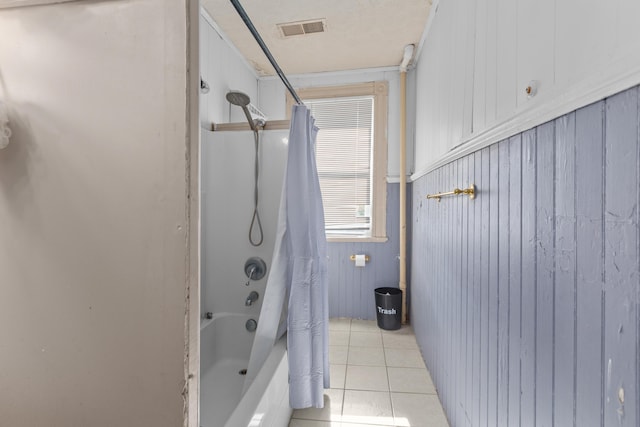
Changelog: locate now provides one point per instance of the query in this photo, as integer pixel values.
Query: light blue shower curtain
(299, 269)
(308, 311)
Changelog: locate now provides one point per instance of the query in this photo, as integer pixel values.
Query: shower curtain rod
(265, 49)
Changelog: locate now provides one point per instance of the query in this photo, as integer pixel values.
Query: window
(351, 154)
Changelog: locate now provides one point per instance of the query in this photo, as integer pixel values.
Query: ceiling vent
(301, 28)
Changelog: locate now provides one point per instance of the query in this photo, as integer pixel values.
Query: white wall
(273, 103)
(227, 210)
(224, 69)
(93, 207)
(227, 157)
(478, 57)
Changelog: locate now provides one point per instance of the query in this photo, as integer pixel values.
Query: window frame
(379, 90)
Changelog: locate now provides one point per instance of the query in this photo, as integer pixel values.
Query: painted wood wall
(525, 300)
(479, 55)
(351, 288)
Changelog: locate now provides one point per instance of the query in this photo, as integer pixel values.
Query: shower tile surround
(378, 378)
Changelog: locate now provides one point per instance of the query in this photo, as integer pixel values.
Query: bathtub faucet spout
(253, 296)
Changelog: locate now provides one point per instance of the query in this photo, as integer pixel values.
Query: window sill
(357, 239)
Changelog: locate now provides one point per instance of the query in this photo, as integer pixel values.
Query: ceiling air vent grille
(300, 28)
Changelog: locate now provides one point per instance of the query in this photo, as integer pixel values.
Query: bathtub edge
(265, 390)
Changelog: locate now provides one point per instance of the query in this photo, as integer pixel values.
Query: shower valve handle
(250, 273)
(255, 269)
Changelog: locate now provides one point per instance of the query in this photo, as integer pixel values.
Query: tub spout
(253, 296)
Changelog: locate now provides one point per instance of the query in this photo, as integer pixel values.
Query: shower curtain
(299, 270)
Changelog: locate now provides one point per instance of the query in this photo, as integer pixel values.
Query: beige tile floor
(378, 379)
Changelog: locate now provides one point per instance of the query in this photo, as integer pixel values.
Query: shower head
(238, 98)
(242, 100)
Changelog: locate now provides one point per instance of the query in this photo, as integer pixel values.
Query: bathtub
(225, 348)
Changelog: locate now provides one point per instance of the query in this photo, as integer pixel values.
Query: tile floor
(378, 379)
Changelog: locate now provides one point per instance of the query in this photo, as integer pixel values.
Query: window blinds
(344, 155)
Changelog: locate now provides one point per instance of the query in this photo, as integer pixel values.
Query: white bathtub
(225, 348)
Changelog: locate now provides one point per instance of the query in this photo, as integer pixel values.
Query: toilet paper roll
(360, 260)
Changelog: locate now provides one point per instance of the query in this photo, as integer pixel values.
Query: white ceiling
(359, 33)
